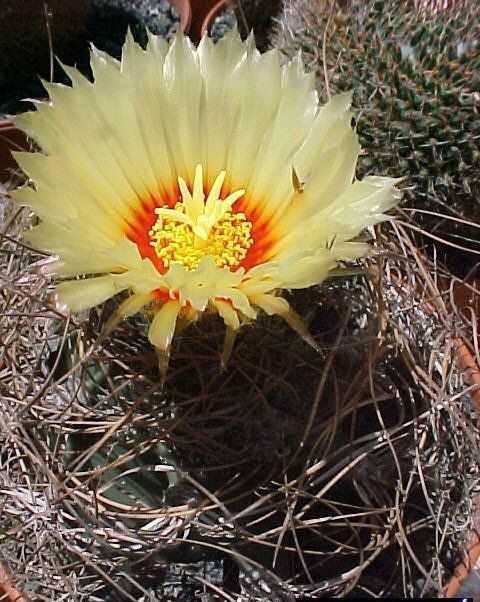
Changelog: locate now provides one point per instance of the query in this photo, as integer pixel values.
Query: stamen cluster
(228, 241)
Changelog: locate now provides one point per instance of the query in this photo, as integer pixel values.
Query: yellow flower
(195, 179)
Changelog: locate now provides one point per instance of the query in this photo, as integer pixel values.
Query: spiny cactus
(416, 82)
(434, 6)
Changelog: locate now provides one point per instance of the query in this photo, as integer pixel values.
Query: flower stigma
(195, 228)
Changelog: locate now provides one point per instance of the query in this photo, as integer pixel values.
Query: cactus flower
(192, 180)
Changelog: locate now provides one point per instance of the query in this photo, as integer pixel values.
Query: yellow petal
(183, 84)
(302, 272)
(254, 285)
(230, 335)
(128, 308)
(219, 64)
(238, 299)
(362, 204)
(146, 91)
(277, 305)
(229, 315)
(78, 295)
(45, 204)
(271, 304)
(325, 160)
(270, 182)
(255, 91)
(162, 328)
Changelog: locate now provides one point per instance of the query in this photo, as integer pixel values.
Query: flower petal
(78, 295)
(229, 315)
(219, 64)
(255, 93)
(128, 308)
(182, 96)
(325, 163)
(162, 328)
(269, 186)
(277, 305)
(362, 204)
(302, 272)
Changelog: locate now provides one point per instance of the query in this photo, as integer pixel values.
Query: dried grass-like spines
(221, 426)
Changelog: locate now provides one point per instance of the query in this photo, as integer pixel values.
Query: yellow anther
(192, 230)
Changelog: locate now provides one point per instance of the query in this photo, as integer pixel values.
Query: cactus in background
(416, 82)
(435, 6)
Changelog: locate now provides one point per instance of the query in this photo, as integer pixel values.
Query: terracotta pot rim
(8, 590)
(469, 366)
(196, 16)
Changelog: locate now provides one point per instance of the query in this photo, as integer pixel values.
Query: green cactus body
(416, 82)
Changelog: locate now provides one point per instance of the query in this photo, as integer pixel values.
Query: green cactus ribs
(416, 78)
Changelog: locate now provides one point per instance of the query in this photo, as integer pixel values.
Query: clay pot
(469, 366)
(11, 139)
(8, 589)
(196, 16)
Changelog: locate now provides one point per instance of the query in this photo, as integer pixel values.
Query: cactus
(416, 82)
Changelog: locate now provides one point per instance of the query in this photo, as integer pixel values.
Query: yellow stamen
(195, 228)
